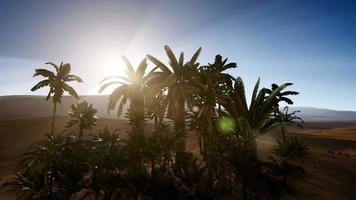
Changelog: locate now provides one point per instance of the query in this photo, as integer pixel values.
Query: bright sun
(113, 66)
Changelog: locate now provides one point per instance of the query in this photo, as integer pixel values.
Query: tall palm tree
(57, 82)
(207, 85)
(130, 88)
(220, 66)
(82, 114)
(174, 80)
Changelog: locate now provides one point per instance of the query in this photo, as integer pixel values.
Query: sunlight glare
(113, 66)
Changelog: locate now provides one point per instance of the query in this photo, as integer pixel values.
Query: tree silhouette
(250, 122)
(255, 119)
(83, 115)
(281, 96)
(57, 83)
(206, 86)
(174, 80)
(287, 118)
(156, 165)
(130, 88)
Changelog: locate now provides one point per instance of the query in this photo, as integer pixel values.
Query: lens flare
(226, 125)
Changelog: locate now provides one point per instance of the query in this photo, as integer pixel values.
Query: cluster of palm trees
(179, 99)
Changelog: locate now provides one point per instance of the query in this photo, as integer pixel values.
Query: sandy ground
(330, 167)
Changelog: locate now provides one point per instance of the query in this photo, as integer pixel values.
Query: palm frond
(194, 58)
(159, 64)
(43, 72)
(71, 91)
(128, 65)
(104, 86)
(71, 77)
(114, 77)
(142, 68)
(172, 58)
(181, 59)
(54, 65)
(41, 84)
(64, 70)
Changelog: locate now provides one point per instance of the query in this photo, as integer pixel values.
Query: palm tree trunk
(81, 130)
(53, 118)
(179, 122)
(283, 130)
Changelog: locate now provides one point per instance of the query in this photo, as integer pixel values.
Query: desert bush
(290, 149)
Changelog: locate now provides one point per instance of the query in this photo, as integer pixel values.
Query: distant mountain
(36, 106)
(321, 114)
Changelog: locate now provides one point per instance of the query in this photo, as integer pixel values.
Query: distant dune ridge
(322, 114)
(14, 107)
(36, 106)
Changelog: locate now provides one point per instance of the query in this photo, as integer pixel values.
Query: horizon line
(86, 95)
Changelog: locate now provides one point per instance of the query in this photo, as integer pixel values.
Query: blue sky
(309, 43)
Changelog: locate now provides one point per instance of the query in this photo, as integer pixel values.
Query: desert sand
(330, 166)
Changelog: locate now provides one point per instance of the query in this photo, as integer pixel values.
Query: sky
(309, 43)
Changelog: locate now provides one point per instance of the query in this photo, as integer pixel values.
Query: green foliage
(287, 118)
(291, 148)
(52, 168)
(255, 119)
(110, 162)
(83, 115)
(279, 170)
(281, 96)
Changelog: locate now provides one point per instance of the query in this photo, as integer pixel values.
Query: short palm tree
(130, 88)
(83, 115)
(57, 82)
(175, 81)
(287, 118)
(255, 119)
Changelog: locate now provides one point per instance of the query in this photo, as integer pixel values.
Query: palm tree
(175, 81)
(287, 118)
(38, 172)
(250, 121)
(82, 114)
(255, 119)
(207, 85)
(57, 83)
(219, 66)
(281, 96)
(132, 88)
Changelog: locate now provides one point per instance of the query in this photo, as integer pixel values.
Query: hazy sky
(309, 43)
